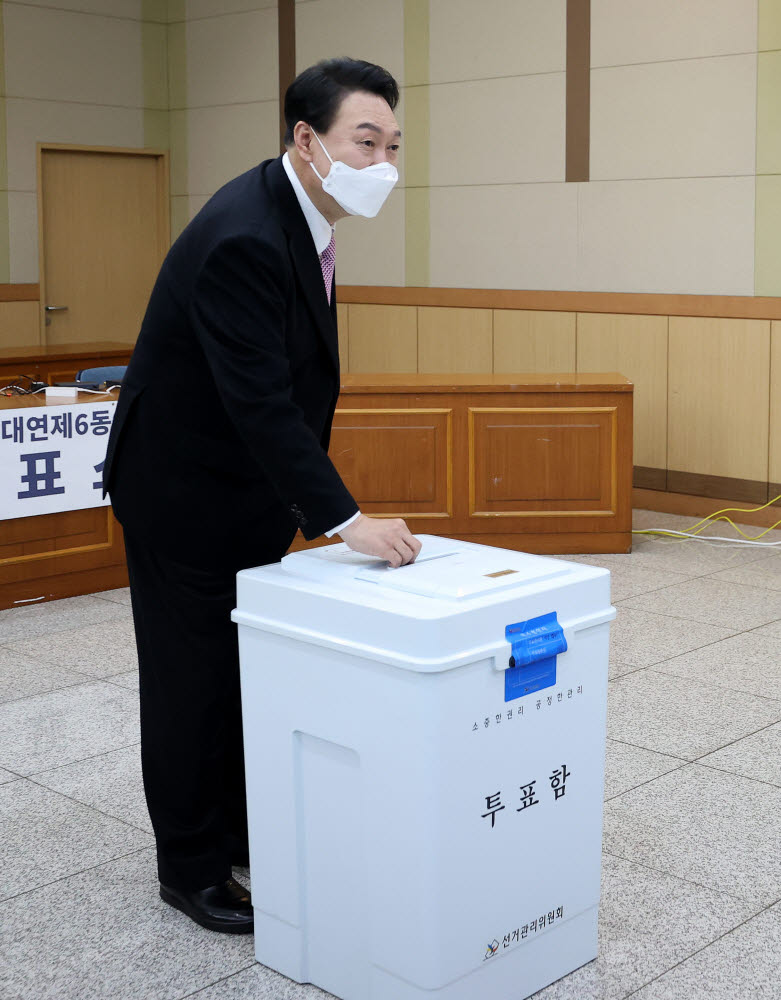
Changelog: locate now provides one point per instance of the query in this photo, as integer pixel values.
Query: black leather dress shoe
(226, 907)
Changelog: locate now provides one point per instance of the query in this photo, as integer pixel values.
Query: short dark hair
(315, 95)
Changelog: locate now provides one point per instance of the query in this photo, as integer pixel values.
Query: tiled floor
(691, 904)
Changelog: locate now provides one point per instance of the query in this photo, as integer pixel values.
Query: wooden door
(104, 230)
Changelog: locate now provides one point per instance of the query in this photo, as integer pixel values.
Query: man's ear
(302, 138)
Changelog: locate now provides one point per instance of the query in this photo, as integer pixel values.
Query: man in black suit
(218, 453)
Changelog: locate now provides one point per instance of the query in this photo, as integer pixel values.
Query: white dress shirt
(321, 230)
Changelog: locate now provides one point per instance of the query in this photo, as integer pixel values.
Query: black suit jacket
(224, 415)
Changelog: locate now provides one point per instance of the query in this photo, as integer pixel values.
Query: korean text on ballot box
(425, 763)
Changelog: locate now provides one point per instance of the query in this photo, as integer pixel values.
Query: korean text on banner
(51, 458)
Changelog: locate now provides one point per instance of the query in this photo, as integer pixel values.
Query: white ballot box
(425, 762)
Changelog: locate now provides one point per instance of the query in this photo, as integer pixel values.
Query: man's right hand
(386, 538)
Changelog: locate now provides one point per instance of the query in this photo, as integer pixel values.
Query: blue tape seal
(535, 645)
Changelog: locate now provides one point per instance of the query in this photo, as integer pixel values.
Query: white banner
(51, 458)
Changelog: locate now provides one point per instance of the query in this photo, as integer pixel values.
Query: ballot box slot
(456, 575)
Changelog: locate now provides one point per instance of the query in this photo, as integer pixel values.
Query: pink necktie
(327, 261)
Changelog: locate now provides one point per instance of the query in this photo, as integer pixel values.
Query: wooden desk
(541, 463)
(61, 362)
(532, 462)
(59, 555)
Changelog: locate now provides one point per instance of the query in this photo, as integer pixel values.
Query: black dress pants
(191, 734)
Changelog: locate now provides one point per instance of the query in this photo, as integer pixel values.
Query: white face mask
(359, 192)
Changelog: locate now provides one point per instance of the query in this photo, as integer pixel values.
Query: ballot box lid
(444, 569)
(457, 596)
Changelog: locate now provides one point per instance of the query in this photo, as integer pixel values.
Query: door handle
(55, 309)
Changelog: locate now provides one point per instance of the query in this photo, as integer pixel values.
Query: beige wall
(368, 252)
(78, 71)
(678, 132)
(482, 202)
(670, 204)
(223, 95)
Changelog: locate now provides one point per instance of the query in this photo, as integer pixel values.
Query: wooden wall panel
(343, 325)
(530, 341)
(395, 461)
(19, 324)
(719, 395)
(383, 338)
(636, 346)
(455, 340)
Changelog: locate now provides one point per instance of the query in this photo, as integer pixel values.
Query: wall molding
(633, 303)
(578, 106)
(647, 478)
(698, 484)
(668, 482)
(699, 506)
(20, 293)
(286, 42)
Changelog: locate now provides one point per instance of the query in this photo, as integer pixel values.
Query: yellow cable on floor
(718, 516)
